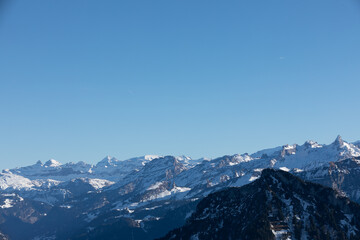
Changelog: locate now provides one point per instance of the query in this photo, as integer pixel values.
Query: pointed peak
(39, 162)
(339, 141)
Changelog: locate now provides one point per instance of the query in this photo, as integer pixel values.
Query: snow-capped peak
(150, 157)
(346, 149)
(107, 161)
(312, 144)
(242, 158)
(288, 147)
(52, 163)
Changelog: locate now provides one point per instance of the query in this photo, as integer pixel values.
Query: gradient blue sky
(83, 79)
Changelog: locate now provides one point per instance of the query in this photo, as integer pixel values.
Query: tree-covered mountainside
(278, 205)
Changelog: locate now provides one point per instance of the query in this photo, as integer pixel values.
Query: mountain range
(146, 197)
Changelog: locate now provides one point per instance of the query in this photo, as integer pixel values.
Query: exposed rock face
(341, 175)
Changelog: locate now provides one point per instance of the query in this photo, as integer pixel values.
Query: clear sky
(83, 79)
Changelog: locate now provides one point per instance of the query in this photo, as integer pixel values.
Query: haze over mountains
(148, 196)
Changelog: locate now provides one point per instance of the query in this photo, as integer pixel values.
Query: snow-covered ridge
(45, 176)
(109, 167)
(182, 172)
(310, 154)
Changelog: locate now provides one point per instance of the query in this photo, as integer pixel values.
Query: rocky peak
(339, 141)
(288, 150)
(312, 144)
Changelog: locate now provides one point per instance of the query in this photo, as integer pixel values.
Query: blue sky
(84, 79)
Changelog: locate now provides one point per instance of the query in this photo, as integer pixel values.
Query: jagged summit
(312, 144)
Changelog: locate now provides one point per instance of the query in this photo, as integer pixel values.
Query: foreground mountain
(150, 195)
(278, 205)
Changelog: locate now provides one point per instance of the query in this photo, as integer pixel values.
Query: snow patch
(284, 169)
(7, 204)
